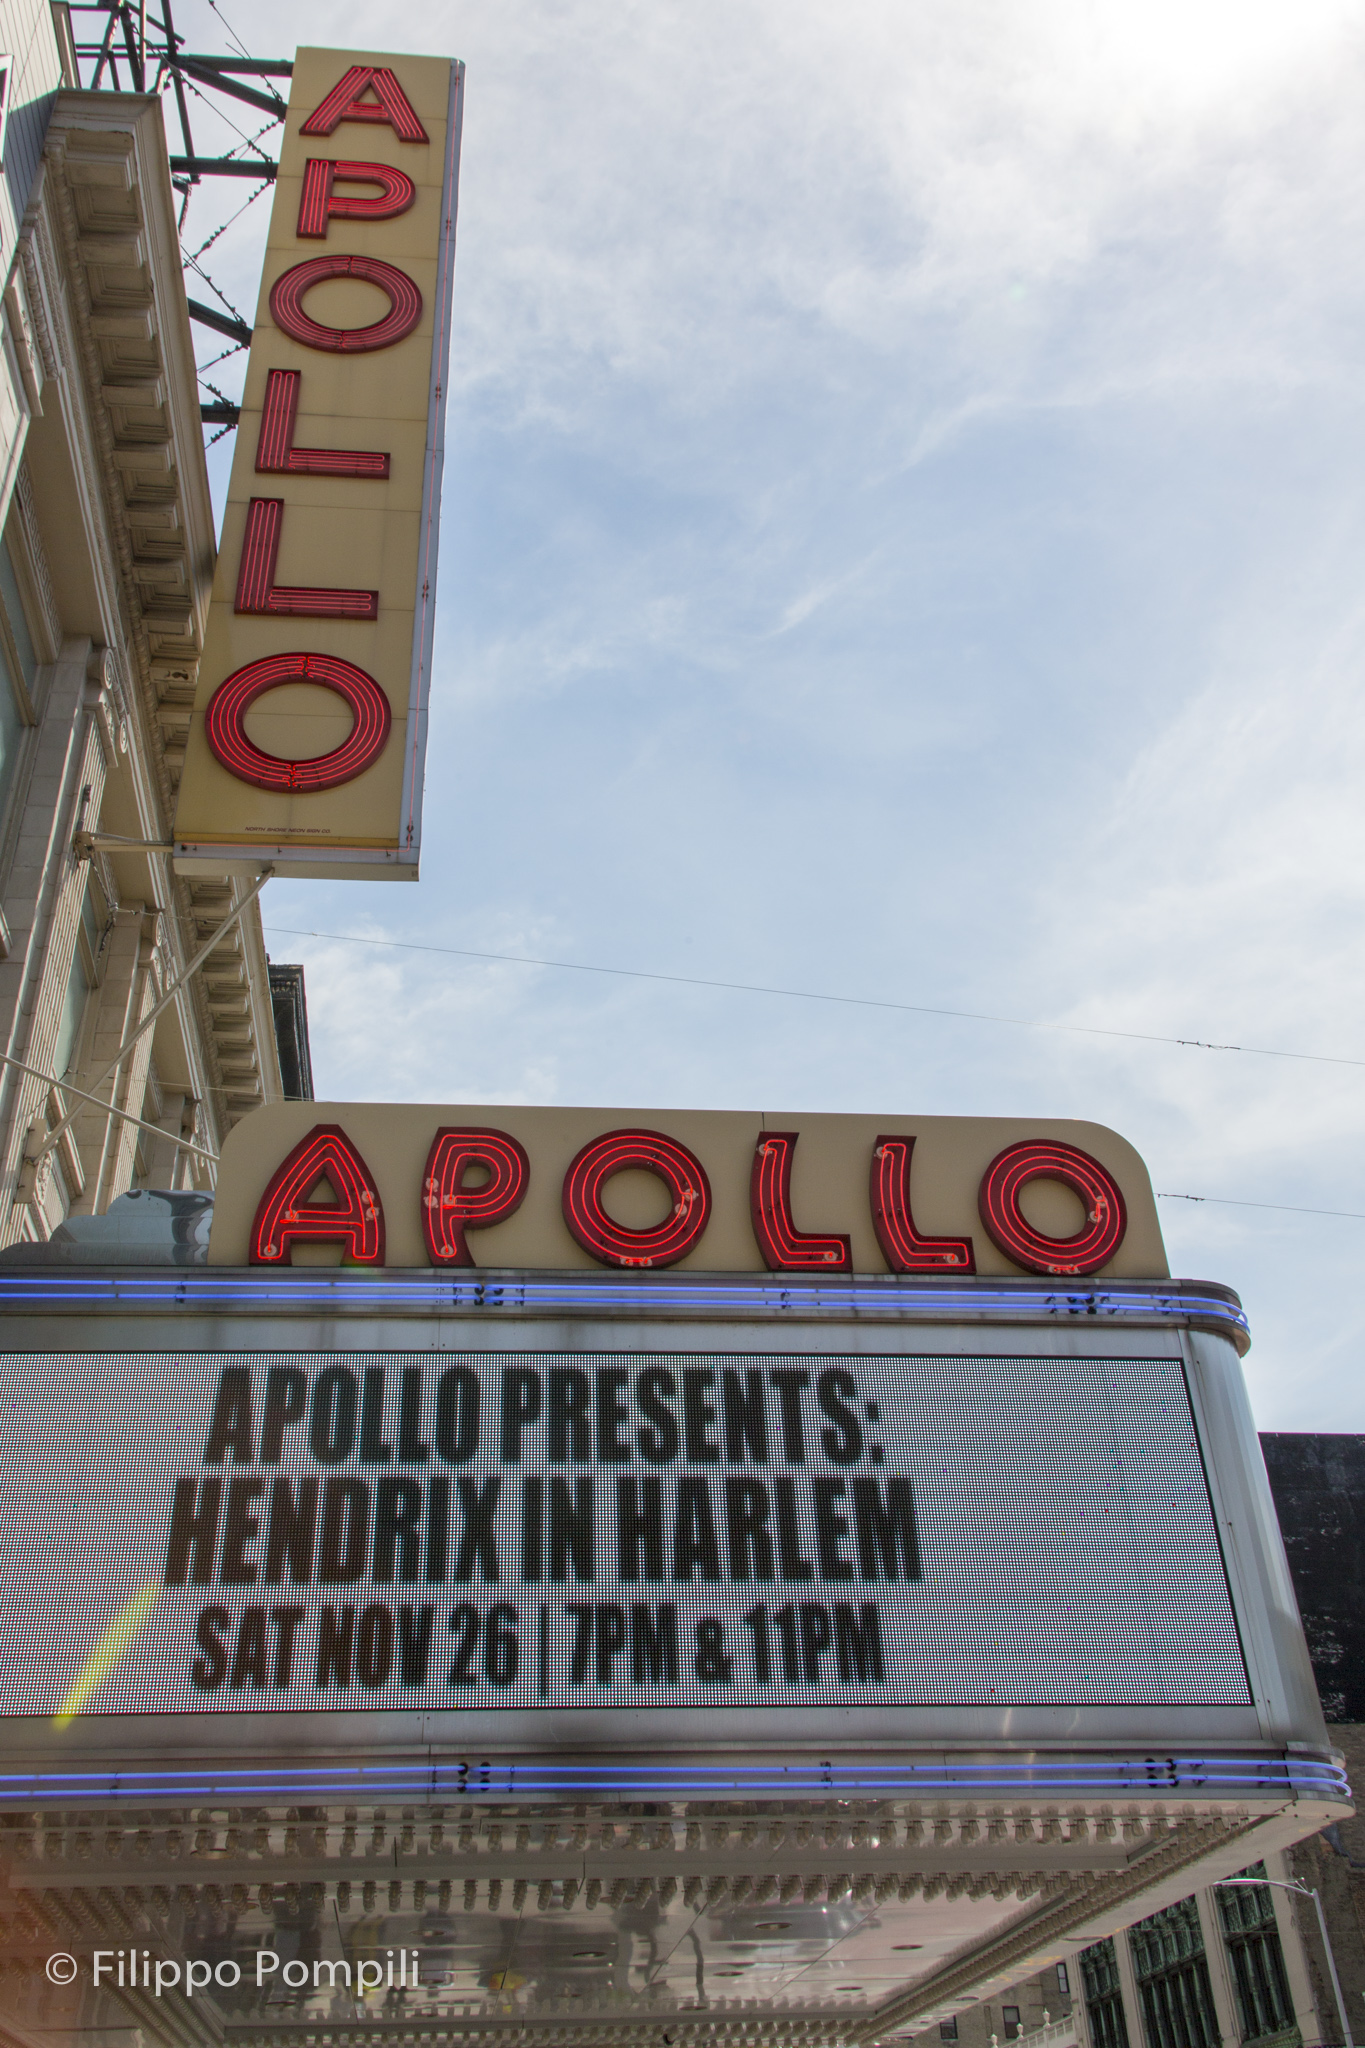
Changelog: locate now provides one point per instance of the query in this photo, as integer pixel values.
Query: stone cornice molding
(112, 212)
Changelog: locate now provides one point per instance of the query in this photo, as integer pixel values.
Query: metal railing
(1052, 2034)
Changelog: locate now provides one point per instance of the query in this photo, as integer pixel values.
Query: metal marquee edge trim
(189, 1290)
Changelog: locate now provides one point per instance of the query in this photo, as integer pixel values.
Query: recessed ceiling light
(900, 1947)
(771, 1926)
(588, 1955)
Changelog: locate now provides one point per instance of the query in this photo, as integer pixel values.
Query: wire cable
(248, 140)
(869, 1002)
(234, 349)
(230, 31)
(199, 271)
(264, 186)
(806, 995)
(1283, 1208)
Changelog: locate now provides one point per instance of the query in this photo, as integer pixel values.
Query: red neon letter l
(786, 1249)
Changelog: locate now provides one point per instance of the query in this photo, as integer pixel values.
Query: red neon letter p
(450, 1208)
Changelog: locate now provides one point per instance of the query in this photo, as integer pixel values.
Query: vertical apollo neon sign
(308, 739)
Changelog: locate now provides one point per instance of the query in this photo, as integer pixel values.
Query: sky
(903, 535)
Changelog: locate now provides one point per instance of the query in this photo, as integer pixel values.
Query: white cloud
(903, 519)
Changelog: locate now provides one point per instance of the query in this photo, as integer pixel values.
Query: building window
(24, 648)
(20, 667)
(83, 977)
(1104, 1995)
(73, 1011)
(1252, 1940)
(947, 2030)
(1063, 1980)
(1010, 2021)
(1172, 1974)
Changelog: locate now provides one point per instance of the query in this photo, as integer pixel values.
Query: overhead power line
(230, 31)
(866, 1002)
(807, 995)
(1282, 1208)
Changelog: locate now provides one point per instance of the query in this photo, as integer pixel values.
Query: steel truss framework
(137, 50)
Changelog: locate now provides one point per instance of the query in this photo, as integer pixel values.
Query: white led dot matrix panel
(319, 1531)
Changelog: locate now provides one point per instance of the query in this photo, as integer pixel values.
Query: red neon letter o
(287, 295)
(615, 1244)
(226, 733)
(1047, 1159)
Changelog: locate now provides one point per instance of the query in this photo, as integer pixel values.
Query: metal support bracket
(126, 1115)
(173, 990)
(221, 323)
(83, 844)
(225, 167)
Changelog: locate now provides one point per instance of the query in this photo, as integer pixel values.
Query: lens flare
(122, 1632)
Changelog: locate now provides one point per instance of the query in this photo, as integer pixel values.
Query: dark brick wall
(1319, 1488)
(291, 1031)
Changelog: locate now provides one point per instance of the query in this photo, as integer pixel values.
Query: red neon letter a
(286, 1216)
(390, 105)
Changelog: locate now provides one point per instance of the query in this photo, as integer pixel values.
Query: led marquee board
(716, 1426)
(620, 1562)
(538, 1530)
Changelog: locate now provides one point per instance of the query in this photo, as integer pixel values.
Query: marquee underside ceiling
(669, 1923)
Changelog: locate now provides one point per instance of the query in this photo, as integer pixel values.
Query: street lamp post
(1306, 1891)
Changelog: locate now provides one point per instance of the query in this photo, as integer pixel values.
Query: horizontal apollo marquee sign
(635, 1191)
(247, 1531)
(308, 739)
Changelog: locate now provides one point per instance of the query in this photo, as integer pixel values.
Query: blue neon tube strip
(204, 1288)
(538, 1778)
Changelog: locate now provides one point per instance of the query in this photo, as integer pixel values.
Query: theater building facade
(118, 1073)
(572, 1575)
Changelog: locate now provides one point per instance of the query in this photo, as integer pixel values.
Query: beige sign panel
(505, 1186)
(307, 745)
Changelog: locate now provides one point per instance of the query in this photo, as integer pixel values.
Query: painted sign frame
(355, 807)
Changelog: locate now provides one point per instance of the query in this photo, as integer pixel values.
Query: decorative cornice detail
(125, 306)
(42, 572)
(41, 279)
